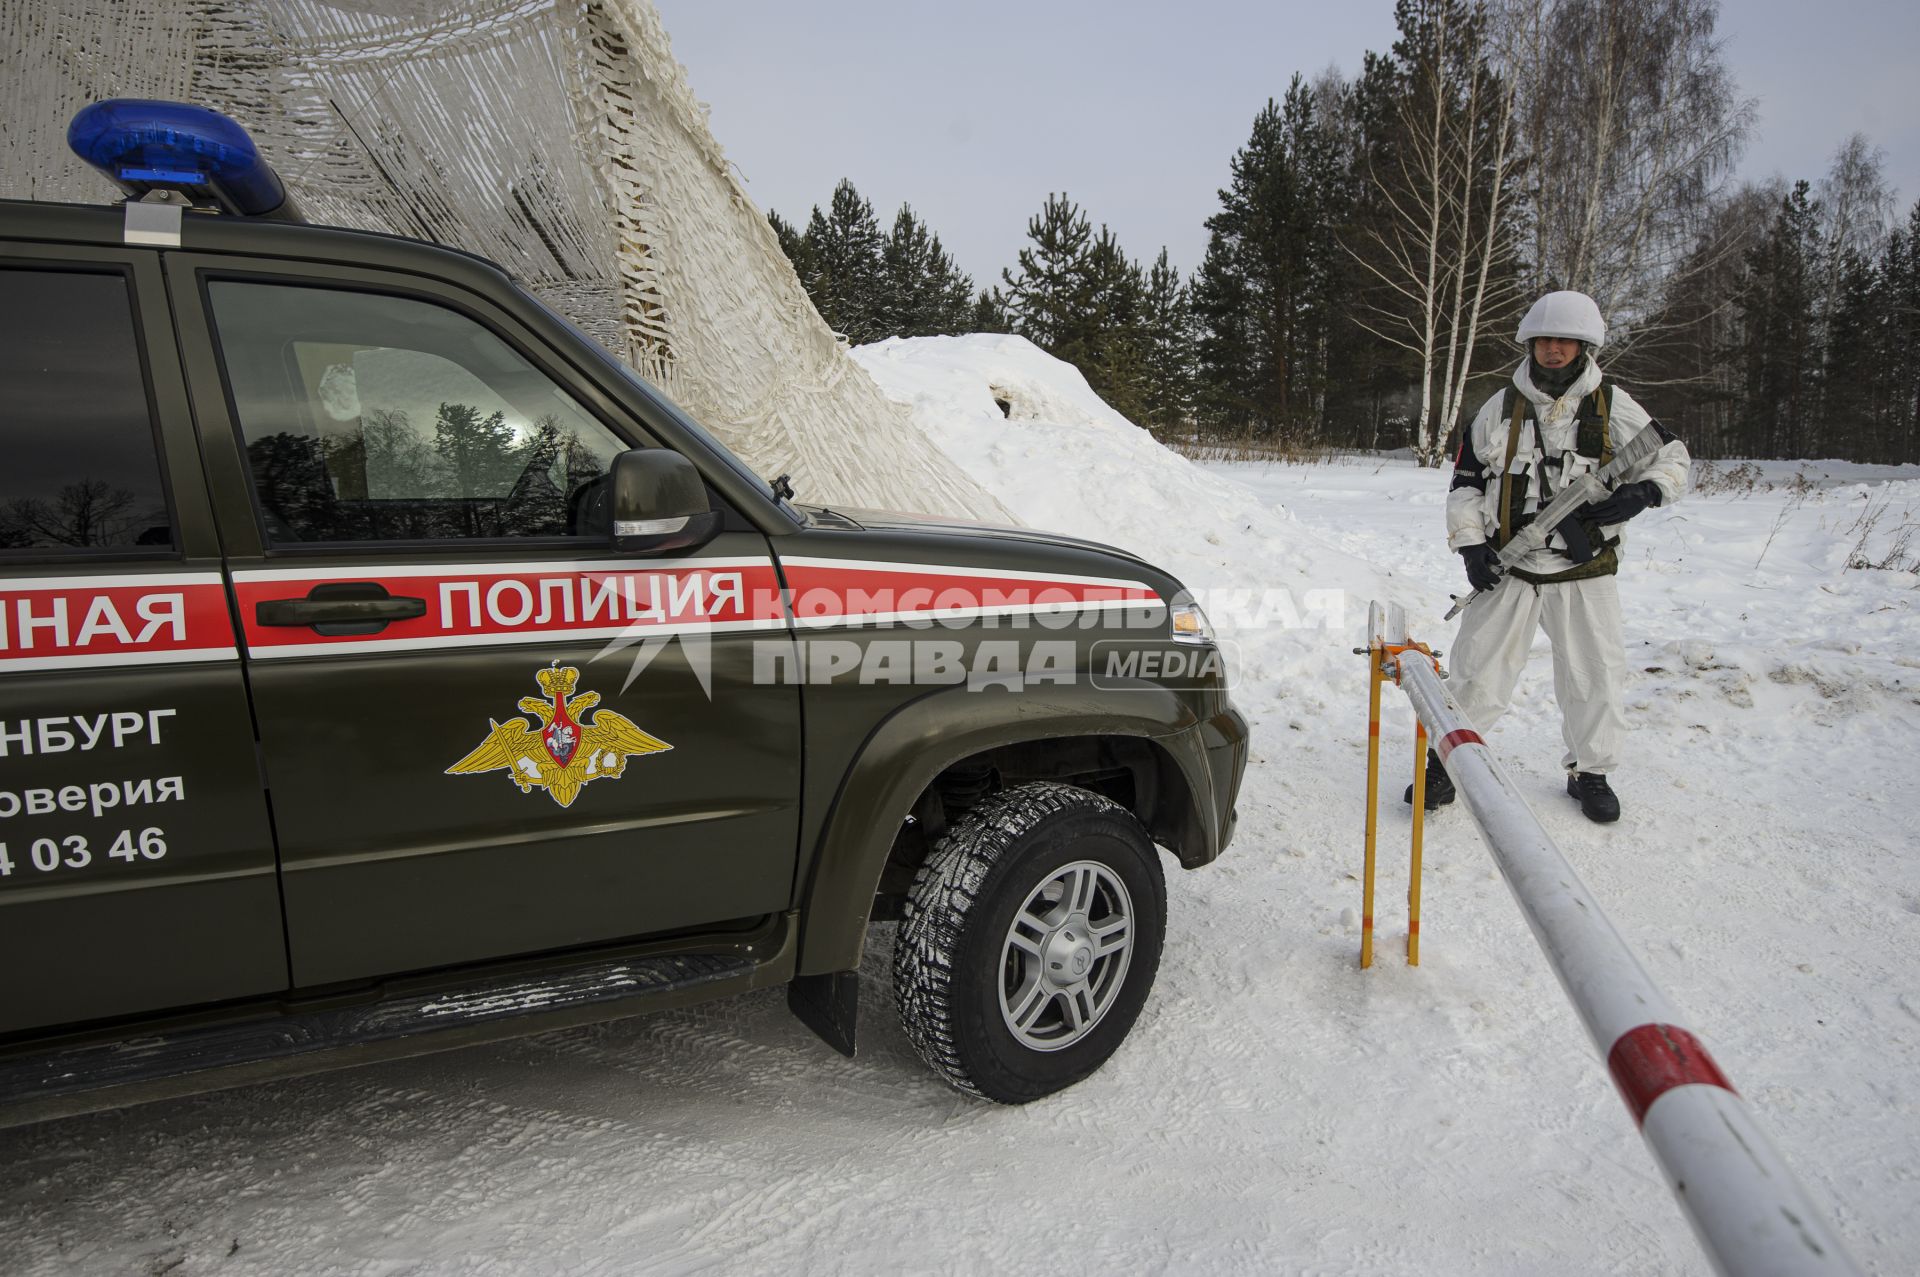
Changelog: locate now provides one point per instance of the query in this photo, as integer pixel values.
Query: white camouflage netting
(556, 137)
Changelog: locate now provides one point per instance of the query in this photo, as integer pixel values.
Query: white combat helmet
(1564, 314)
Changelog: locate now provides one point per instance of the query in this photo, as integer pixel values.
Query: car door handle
(354, 607)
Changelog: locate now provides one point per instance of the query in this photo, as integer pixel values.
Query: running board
(60, 1081)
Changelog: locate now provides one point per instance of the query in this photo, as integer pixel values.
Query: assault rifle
(1589, 487)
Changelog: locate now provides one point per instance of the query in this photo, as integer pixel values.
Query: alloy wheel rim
(1065, 956)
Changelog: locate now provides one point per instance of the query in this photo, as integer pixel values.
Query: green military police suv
(385, 668)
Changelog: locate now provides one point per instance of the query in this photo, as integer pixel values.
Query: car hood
(850, 517)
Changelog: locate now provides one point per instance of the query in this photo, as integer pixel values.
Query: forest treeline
(1378, 236)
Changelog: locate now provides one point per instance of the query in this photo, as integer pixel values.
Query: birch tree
(1630, 126)
(1856, 209)
(1440, 171)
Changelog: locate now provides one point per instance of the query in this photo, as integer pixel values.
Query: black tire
(957, 957)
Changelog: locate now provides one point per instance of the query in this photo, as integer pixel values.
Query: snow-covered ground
(1277, 1110)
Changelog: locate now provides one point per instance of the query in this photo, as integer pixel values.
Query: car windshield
(668, 407)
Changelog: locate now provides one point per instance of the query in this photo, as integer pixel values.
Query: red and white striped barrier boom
(1752, 1218)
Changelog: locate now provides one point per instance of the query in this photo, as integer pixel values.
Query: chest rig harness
(1593, 438)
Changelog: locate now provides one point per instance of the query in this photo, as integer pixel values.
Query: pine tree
(1048, 299)
(1234, 353)
(1227, 380)
(990, 313)
(1776, 306)
(1851, 371)
(843, 259)
(1899, 272)
(1080, 298)
(1691, 355)
(1116, 366)
(1365, 377)
(922, 292)
(1167, 328)
(791, 243)
(1265, 291)
(1803, 346)
(949, 293)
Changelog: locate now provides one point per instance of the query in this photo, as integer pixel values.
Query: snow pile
(1028, 426)
(1029, 429)
(1275, 1110)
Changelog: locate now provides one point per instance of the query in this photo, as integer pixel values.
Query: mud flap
(829, 1005)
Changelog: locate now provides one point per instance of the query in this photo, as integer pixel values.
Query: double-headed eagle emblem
(566, 750)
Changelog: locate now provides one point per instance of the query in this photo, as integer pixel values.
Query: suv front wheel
(1031, 939)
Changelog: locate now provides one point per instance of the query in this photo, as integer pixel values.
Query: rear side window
(369, 417)
(82, 463)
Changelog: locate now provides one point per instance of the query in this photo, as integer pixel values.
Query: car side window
(83, 466)
(371, 417)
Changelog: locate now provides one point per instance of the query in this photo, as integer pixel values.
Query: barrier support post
(1374, 678)
(1419, 827)
(1387, 642)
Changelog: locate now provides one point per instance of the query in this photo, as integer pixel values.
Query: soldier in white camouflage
(1561, 418)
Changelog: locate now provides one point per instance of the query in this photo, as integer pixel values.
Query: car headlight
(1190, 624)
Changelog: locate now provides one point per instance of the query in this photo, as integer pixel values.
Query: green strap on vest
(1594, 438)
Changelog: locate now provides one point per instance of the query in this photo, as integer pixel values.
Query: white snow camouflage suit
(1581, 616)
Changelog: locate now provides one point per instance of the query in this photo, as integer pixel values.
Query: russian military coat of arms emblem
(568, 749)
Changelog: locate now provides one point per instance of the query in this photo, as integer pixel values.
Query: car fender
(919, 740)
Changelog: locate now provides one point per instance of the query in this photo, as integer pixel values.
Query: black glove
(1483, 565)
(1579, 544)
(1623, 502)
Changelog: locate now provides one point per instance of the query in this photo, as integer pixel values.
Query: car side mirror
(659, 503)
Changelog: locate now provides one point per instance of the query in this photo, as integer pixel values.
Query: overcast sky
(973, 113)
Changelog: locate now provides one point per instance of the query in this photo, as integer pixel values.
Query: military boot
(1597, 799)
(1439, 784)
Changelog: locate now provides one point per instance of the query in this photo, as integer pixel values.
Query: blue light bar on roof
(143, 146)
